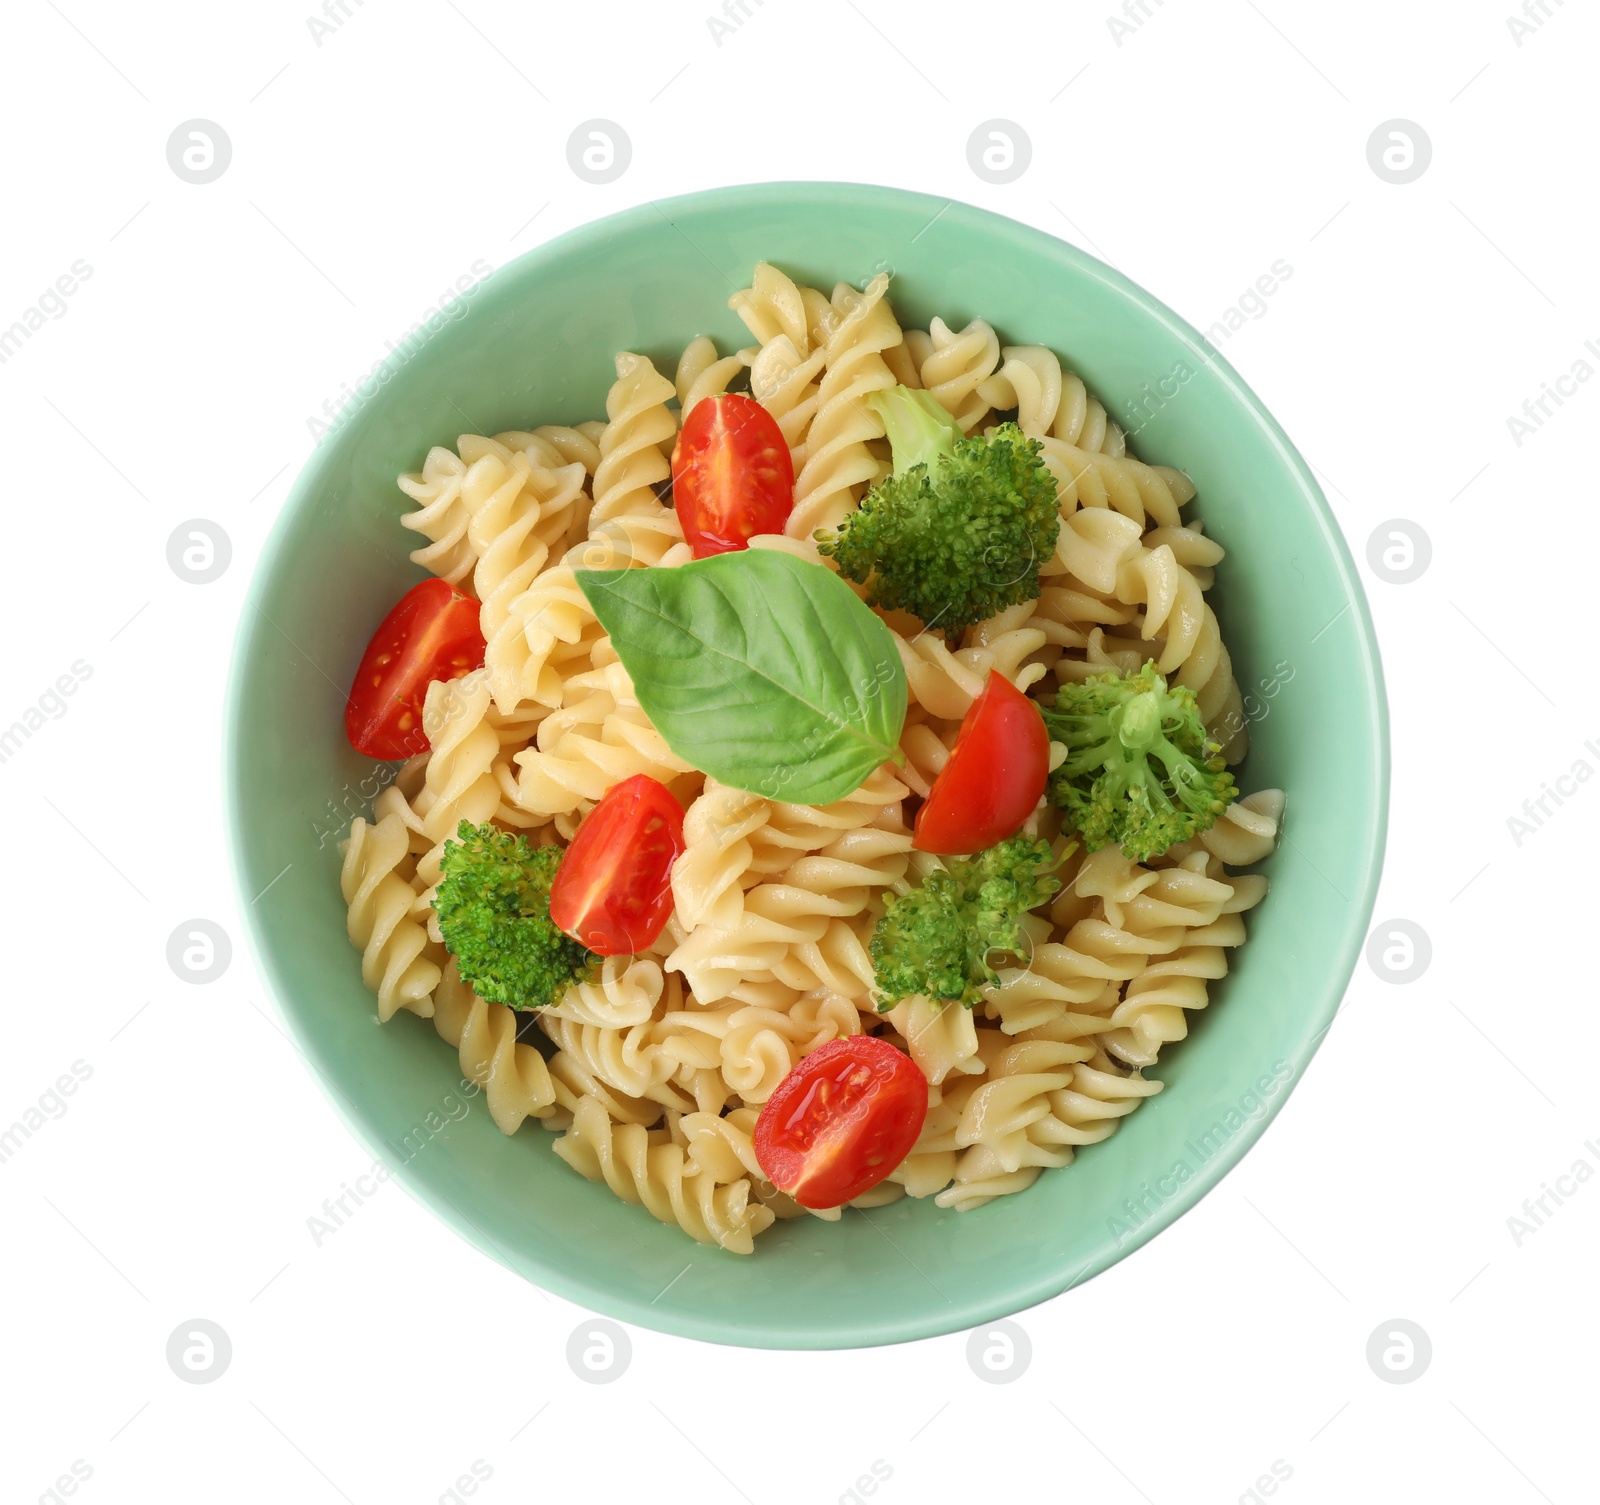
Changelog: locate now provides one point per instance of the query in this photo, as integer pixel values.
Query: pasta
(654, 1067)
(515, 1080)
(957, 365)
(838, 457)
(379, 900)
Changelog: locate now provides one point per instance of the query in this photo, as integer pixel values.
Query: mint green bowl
(534, 345)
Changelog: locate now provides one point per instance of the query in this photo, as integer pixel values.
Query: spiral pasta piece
(836, 961)
(630, 1060)
(1050, 402)
(707, 879)
(1247, 831)
(467, 738)
(644, 1166)
(926, 749)
(838, 459)
(626, 990)
(791, 831)
(1082, 421)
(784, 382)
(561, 630)
(1029, 380)
(792, 325)
(518, 512)
(790, 935)
(632, 463)
(956, 368)
(945, 681)
(762, 1045)
(1149, 495)
(578, 444)
(514, 1078)
(940, 1037)
(441, 515)
(574, 763)
(393, 946)
(702, 373)
(775, 307)
(1175, 608)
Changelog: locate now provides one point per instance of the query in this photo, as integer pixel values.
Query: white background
(369, 171)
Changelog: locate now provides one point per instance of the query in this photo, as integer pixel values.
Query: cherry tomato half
(731, 474)
(432, 633)
(613, 890)
(844, 1118)
(994, 777)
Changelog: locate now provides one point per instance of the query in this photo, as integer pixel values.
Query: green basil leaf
(763, 670)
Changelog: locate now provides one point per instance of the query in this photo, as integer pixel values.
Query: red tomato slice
(431, 634)
(731, 474)
(613, 890)
(994, 777)
(844, 1118)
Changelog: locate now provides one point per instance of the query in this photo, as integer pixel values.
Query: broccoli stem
(919, 430)
(1138, 723)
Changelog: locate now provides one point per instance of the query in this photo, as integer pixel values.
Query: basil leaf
(763, 670)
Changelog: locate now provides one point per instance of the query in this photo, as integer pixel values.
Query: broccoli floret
(936, 939)
(959, 531)
(1140, 770)
(493, 905)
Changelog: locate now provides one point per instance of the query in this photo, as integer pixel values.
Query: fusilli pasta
(655, 1066)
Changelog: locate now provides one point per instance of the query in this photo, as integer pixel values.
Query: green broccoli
(959, 531)
(936, 939)
(493, 905)
(1140, 770)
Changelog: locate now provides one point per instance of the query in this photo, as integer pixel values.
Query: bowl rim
(570, 1282)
